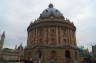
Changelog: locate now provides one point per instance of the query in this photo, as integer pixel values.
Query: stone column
(73, 55)
(57, 35)
(36, 36)
(60, 35)
(45, 36)
(48, 35)
(68, 36)
(71, 36)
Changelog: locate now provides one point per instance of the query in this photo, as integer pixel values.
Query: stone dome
(51, 11)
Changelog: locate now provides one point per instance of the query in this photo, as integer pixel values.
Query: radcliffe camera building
(51, 38)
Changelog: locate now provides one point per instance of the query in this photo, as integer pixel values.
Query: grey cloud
(15, 16)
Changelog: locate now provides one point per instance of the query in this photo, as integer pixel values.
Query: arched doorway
(52, 57)
(39, 53)
(67, 54)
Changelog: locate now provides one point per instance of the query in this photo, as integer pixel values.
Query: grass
(9, 62)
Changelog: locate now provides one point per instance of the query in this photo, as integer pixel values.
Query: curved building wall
(51, 33)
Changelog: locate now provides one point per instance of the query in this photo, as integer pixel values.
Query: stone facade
(7, 54)
(51, 38)
(2, 40)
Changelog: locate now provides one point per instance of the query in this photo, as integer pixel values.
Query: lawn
(9, 62)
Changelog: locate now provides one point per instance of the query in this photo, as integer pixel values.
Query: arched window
(67, 54)
(46, 10)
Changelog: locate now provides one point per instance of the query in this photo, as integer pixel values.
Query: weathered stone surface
(51, 39)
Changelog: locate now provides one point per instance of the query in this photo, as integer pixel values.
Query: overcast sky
(16, 15)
